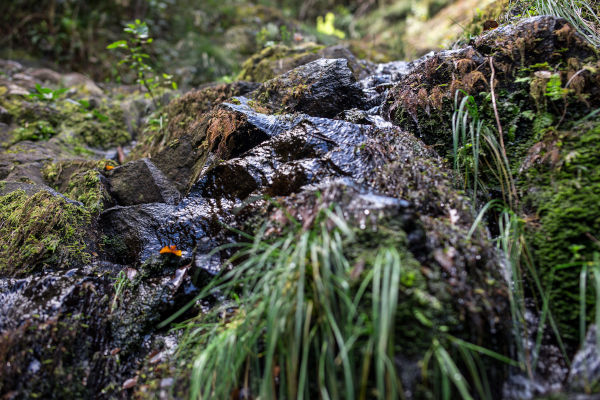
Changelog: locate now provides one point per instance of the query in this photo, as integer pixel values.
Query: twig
(500, 133)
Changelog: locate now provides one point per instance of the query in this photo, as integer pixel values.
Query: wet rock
(322, 88)
(139, 182)
(584, 376)
(313, 150)
(131, 234)
(53, 332)
(45, 75)
(164, 285)
(220, 134)
(87, 85)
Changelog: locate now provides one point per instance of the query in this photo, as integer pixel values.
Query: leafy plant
(39, 130)
(136, 59)
(466, 133)
(554, 89)
(86, 107)
(326, 26)
(46, 94)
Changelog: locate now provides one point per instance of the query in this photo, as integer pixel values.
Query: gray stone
(141, 182)
(584, 375)
(322, 88)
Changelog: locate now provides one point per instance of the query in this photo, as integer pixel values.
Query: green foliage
(326, 26)
(135, 58)
(270, 35)
(567, 202)
(466, 133)
(554, 89)
(299, 317)
(46, 94)
(121, 283)
(86, 107)
(39, 130)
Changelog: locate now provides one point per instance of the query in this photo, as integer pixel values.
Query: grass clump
(299, 318)
(582, 14)
(39, 231)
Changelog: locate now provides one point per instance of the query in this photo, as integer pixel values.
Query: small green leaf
(100, 116)
(117, 44)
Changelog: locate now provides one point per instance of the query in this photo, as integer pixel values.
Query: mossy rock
(561, 186)
(40, 231)
(100, 125)
(183, 114)
(423, 102)
(80, 180)
(322, 88)
(217, 135)
(546, 85)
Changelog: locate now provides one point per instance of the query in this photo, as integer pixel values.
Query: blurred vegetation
(199, 41)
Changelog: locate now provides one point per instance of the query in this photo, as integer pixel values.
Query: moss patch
(562, 186)
(40, 231)
(79, 180)
(100, 126)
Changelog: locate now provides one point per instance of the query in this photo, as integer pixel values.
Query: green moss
(102, 127)
(421, 298)
(80, 181)
(39, 231)
(563, 186)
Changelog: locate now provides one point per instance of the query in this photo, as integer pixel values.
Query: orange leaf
(172, 249)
